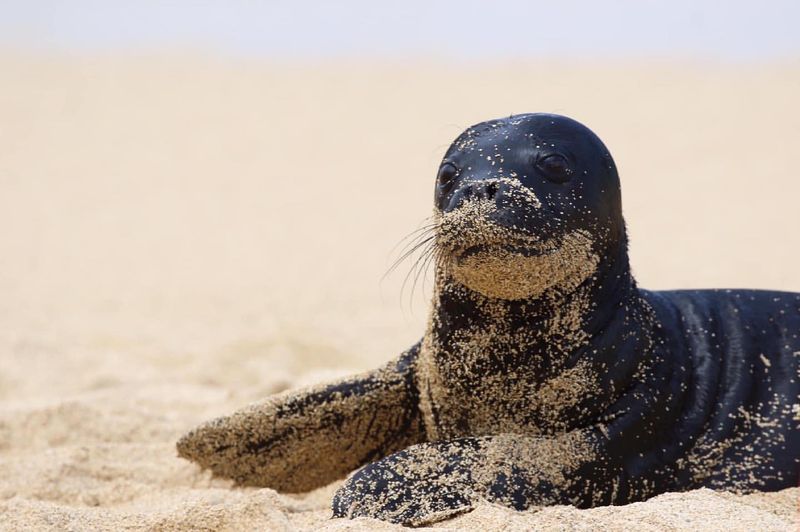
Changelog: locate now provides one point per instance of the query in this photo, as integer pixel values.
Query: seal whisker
(413, 242)
(409, 253)
(418, 238)
(421, 266)
(414, 236)
(414, 272)
(434, 258)
(421, 229)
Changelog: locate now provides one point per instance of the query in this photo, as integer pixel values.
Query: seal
(545, 375)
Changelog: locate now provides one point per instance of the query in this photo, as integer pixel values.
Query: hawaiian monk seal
(545, 375)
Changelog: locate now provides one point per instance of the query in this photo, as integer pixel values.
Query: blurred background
(461, 30)
(199, 200)
(204, 174)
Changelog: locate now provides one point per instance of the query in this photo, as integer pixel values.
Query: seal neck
(545, 365)
(601, 329)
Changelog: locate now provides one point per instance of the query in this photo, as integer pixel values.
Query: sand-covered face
(499, 263)
(525, 206)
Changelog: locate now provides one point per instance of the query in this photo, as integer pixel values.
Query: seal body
(545, 375)
(739, 423)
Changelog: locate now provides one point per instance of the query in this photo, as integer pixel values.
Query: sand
(180, 236)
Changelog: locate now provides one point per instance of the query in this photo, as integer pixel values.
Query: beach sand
(180, 236)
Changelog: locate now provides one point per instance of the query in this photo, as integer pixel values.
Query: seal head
(527, 204)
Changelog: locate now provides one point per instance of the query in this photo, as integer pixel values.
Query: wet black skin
(675, 368)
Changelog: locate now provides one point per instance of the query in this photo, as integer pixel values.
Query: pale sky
(464, 29)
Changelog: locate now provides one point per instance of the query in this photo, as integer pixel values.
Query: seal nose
(478, 190)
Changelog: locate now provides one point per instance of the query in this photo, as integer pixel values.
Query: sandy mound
(181, 237)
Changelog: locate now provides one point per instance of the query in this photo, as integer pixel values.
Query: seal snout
(484, 190)
(496, 213)
(502, 192)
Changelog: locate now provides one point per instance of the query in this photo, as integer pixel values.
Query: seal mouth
(524, 250)
(523, 269)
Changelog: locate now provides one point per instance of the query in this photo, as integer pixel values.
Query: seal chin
(513, 273)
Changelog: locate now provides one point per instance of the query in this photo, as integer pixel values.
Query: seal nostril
(491, 190)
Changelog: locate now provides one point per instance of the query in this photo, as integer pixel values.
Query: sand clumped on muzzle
(496, 271)
(511, 275)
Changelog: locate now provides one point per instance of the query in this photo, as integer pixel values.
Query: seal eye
(555, 167)
(447, 172)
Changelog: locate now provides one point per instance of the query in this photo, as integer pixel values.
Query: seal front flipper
(303, 439)
(433, 481)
